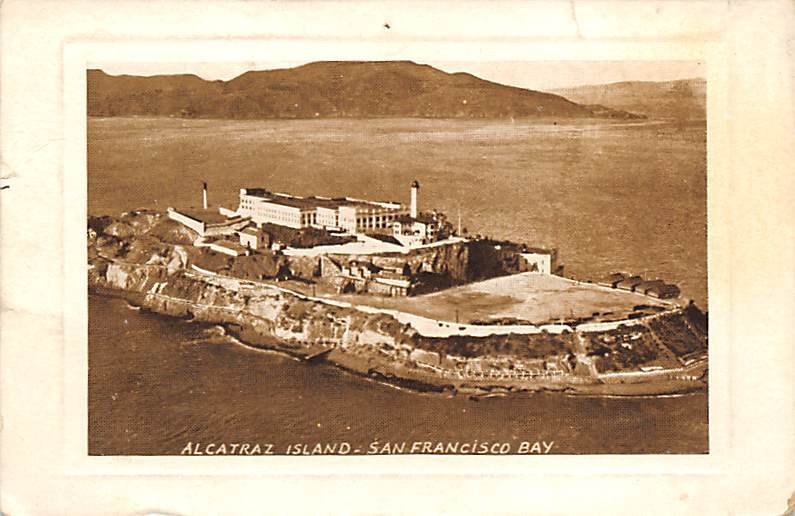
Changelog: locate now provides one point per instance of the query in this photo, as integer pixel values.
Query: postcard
(455, 256)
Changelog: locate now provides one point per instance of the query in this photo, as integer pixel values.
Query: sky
(535, 75)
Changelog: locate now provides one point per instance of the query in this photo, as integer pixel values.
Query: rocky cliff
(277, 319)
(369, 342)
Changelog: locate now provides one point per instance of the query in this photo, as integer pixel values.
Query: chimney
(204, 195)
(415, 188)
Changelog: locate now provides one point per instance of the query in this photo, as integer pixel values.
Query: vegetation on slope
(328, 90)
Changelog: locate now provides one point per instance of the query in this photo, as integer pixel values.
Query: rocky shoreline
(147, 260)
(378, 367)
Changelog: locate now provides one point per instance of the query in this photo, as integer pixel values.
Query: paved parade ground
(527, 297)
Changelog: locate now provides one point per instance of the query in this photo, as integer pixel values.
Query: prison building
(341, 213)
(368, 217)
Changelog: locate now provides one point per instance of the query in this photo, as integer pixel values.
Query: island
(400, 295)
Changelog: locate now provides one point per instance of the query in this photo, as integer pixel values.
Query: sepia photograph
(397, 258)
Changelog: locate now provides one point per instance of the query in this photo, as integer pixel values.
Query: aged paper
(459, 266)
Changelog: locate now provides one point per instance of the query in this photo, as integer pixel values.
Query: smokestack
(415, 188)
(204, 195)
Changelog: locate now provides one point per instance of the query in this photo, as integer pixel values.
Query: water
(610, 196)
(157, 383)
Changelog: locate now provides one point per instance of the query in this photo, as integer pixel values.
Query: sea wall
(365, 342)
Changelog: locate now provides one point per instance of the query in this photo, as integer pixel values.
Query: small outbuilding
(206, 222)
(664, 291)
(647, 286)
(415, 231)
(613, 279)
(542, 261)
(629, 284)
(229, 248)
(254, 238)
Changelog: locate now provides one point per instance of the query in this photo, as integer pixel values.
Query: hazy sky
(537, 75)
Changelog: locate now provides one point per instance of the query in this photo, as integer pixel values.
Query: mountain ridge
(330, 89)
(683, 99)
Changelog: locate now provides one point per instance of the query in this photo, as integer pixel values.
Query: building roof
(616, 276)
(313, 201)
(208, 216)
(257, 192)
(667, 288)
(422, 218)
(631, 282)
(387, 273)
(230, 245)
(395, 282)
(367, 265)
(389, 239)
(300, 202)
(251, 231)
(650, 284)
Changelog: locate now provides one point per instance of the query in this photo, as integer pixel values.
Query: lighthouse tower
(415, 189)
(204, 195)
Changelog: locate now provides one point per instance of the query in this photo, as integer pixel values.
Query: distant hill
(329, 90)
(683, 99)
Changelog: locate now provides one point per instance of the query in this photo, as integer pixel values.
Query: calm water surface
(157, 383)
(610, 196)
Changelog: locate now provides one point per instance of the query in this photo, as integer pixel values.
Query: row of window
(377, 222)
(269, 212)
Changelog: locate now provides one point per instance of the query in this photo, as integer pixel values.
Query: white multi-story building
(413, 231)
(342, 213)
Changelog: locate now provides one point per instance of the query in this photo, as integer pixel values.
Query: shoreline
(393, 374)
